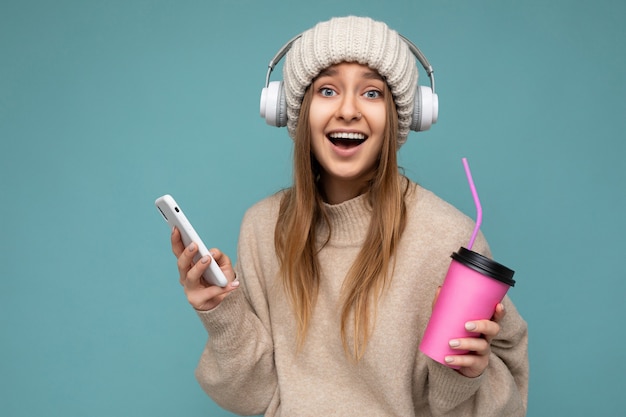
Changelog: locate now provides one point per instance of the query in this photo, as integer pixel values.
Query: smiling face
(347, 118)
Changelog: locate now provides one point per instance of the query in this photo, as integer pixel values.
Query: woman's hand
(474, 363)
(201, 295)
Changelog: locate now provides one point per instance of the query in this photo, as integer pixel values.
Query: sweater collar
(348, 221)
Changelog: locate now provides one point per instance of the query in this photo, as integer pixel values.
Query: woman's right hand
(201, 295)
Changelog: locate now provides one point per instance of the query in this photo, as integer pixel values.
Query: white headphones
(425, 110)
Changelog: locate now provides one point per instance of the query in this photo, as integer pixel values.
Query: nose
(348, 108)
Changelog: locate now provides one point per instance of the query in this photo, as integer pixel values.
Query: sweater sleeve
(502, 389)
(237, 368)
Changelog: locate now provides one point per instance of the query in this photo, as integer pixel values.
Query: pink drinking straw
(479, 209)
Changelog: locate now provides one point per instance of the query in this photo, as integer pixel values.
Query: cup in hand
(473, 286)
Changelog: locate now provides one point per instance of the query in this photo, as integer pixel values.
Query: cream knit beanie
(351, 39)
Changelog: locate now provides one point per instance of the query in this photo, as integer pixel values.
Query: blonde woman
(336, 276)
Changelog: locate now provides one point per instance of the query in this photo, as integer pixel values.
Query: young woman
(336, 276)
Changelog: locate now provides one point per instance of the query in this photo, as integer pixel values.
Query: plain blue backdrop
(105, 105)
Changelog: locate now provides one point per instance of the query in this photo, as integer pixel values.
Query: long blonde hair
(301, 212)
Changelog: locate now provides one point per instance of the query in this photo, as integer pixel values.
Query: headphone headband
(412, 47)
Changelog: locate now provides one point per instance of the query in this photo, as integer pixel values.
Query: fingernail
(469, 326)
(454, 343)
(205, 259)
(173, 228)
(449, 359)
(234, 284)
(191, 247)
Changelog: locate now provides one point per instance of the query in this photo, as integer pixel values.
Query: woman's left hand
(474, 363)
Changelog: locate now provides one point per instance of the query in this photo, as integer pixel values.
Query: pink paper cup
(473, 286)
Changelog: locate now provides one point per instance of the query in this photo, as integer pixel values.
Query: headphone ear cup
(425, 109)
(273, 105)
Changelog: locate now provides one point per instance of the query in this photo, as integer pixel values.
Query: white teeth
(346, 135)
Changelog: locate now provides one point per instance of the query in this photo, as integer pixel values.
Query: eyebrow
(369, 74)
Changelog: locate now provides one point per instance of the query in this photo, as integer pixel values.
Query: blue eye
(373, 94)
(327, 92)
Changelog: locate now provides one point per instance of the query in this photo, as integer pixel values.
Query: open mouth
(347, 139)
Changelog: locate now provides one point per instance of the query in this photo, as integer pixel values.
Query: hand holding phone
(175, 217)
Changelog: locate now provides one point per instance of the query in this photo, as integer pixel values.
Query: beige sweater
(250, 364)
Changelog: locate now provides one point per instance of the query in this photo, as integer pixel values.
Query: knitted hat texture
(351, 39)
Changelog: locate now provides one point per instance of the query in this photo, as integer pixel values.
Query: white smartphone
(175, 217)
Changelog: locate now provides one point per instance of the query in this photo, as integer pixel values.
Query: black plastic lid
(484, 265)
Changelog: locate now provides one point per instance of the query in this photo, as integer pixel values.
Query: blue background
(104, 106)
